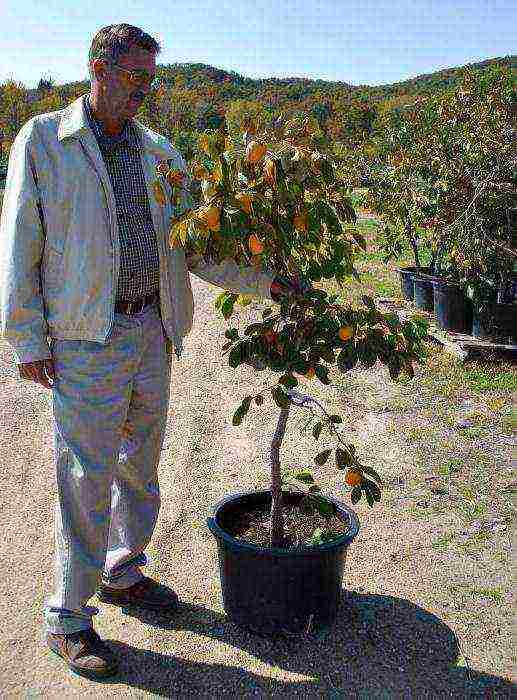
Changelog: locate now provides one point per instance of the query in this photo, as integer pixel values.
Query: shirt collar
(125, 137)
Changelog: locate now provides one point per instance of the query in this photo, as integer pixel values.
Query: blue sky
(360, 42)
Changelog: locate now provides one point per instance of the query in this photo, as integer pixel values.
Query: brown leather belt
(137, 305)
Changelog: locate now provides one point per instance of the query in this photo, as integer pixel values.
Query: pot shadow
(380, 646)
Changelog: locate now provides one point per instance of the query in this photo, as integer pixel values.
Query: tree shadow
(380, 646)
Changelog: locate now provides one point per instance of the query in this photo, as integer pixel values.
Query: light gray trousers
(107, 487)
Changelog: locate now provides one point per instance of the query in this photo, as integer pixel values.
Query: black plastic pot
(406, 280)
(453, 309)
(495, 322)
(274, 591)
(424, 293)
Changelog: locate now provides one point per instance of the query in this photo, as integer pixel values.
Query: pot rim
(411, 269)
(444, 282)
(234, 543)
(426, 277)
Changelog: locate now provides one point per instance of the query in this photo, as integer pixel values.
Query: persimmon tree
(276, 202)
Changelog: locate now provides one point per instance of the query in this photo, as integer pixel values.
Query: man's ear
(99, 68)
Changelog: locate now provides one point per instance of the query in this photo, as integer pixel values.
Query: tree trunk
(277, 518)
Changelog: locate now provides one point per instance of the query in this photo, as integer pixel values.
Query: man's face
(121, 95)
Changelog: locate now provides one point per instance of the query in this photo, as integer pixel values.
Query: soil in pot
(253, 525)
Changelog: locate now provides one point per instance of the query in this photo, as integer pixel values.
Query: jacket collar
(74, 122)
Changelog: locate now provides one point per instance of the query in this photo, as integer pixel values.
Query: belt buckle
(133, 307)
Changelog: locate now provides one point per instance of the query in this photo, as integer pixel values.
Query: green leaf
(288, 380)
(368, 493)
(246, 403)
(220, 298)
(237, 355)
(316, 537)
(237, 417)
(322, 457)
(355, 496)
(305, 476)
(227, 307)
(323, 374)
(336, 419)
(323, 506)
(316, 431)
(344, 458)
(231, 334)
(371, 472)
(254, 327)
(280, 397)
(373, 489)
(392, 320)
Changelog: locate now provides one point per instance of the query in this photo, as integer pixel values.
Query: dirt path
(410, 628)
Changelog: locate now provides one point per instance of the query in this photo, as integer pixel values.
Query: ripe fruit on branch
(270, 337)
(199, 172)
(353, 477)
(210, 216)
(162, 168)
(345, 333)
(255, 245)
(159, 193)
(255, 151)
(175, 177)
(300, 221)
(310, 373)
(244, 200)
(270, 171)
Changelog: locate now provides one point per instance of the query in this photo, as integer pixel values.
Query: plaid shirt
(139, 260)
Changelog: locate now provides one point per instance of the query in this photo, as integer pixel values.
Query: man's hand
(41, 371)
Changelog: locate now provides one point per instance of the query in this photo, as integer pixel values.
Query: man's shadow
(380, 646)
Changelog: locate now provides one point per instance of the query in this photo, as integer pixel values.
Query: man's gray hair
(118, 39)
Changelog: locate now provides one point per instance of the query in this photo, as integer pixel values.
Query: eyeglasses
(139, 77)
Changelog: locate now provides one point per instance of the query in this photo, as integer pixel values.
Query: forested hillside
(194, 96)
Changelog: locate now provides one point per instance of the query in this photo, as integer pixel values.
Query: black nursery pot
(275, 591)
(495, 322)
(406, 280)
(424, 294)
(453, 309)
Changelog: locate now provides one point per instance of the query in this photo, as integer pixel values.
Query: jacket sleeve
(22, 319)
(227, 274)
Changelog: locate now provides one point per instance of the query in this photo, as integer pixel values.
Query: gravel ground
(400, 633)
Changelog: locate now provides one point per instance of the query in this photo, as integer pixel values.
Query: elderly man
(92, 301)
